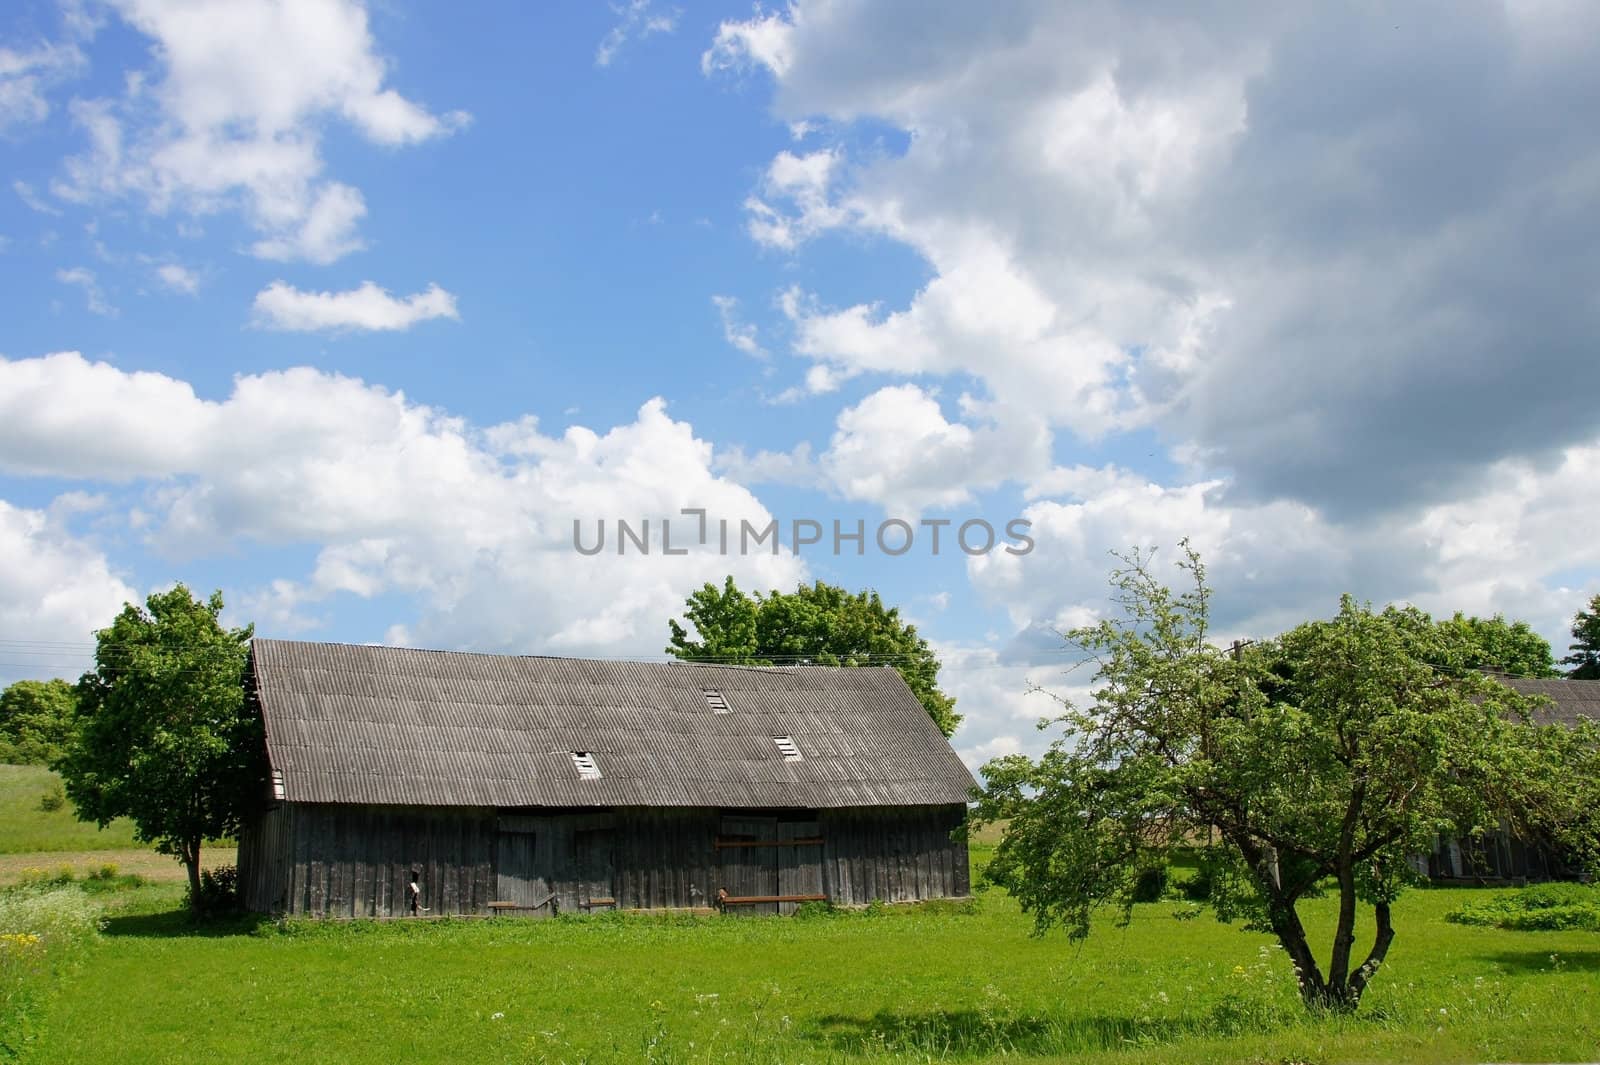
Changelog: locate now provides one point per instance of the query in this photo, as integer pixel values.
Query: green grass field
(25, 828)
(946, 982)
(937, 985)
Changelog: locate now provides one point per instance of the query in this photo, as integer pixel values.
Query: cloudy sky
(351, 311)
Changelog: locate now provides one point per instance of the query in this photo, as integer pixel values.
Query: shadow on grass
(1523, 962)
(971, 1032)
(180, 924)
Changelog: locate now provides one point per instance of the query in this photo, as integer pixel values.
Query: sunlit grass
(25, 827)
(946, 984)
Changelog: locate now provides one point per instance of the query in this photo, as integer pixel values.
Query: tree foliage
(165, 737)
(817, 624)
(1333, 752)
(1585, 651)
(1501, 646)
(36, 720)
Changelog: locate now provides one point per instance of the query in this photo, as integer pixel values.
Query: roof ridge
(620, 660)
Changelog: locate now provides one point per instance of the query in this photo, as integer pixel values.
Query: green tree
(1333, 752)
(165, 736)
(817, 624)
(36, 720)
(1501, 646)
(1585, 650)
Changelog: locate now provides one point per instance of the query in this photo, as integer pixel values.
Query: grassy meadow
(944, 982)
(27, 828)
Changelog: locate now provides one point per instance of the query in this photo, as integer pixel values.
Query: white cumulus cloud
(232, 114)
(473, 526)
(56, 589)
(1164, 218)
(367, 307)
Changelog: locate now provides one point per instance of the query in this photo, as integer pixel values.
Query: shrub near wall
(1542, 908)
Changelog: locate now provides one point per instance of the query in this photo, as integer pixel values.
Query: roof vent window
(587, 770)
(279, 792)
(715, 700)
(787, 748)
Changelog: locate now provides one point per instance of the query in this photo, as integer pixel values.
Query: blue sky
(350, 310)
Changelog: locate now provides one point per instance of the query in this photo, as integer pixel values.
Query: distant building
(1501, 857)
(534, 785)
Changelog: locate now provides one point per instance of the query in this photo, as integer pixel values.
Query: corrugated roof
(393, 725)
(1571, 701)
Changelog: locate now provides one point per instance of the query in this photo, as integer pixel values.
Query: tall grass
(45, 927)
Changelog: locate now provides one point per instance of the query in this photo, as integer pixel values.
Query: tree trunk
(190, 855)
(1380, 950)
(1292, 935)
(1285, 921)
(1344, 933)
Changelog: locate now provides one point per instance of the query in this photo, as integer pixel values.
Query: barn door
(596, 876)
(748, 862)
(518, 886)
(799, 861)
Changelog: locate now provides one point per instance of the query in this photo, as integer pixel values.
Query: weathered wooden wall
(1496, 857)
(354, 861)
(897, 855)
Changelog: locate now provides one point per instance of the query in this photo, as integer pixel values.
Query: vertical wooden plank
(706, 860)
(682, 857)
(361, 860)
(910, 845)
(833, 830)
(860, 886)
(474, 865)
(962, 885)
(449, 829)
(666, 858)
(438, 863)
(338, 862)
(410, 859)
(946, 868)
(352, 818)
(788, 866)
(380, 856)
(564, 850)
(318, 870)
(466, 860)
(898, 831)
(332, 861)
(877, 832)
(394, 855)
(649, 854)
(632, 880)
(928, 848)
(297, 860)
(849, 848)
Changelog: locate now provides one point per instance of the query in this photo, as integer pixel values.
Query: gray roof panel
(392, 725)
(1570, 701)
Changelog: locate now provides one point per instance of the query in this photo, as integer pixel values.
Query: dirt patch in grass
(146, 863)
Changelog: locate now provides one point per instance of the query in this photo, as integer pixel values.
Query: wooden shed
(1503, 857)
(532, 785)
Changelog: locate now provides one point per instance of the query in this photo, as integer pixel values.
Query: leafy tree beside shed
(1335, 752)
(164, 735)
